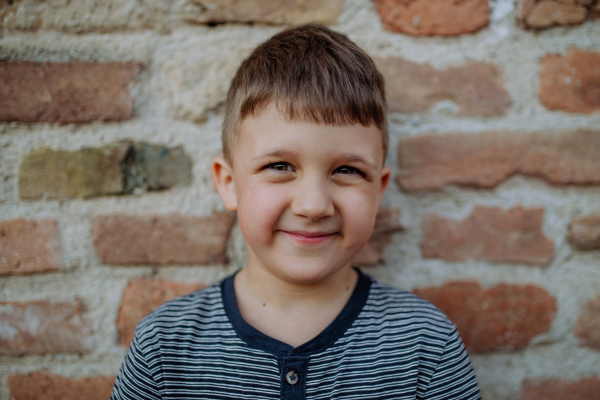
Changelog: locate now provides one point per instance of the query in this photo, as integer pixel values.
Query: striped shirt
(385, 344)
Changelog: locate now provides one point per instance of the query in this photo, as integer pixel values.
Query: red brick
(387, 223)
(293, 12)
(540, 14)
(476, 88)
(489, 233)
(29, 246)
(66, 92)
(571, 83)
(503, 317)
(144, 295)
(433, 17)
(48, 386)
(559, 389)
(587, 326)
(44, 327)
(162, 239)
(584, 232)
(432, 161)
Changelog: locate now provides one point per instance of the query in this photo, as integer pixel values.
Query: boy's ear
(386, 174)
(223, 178)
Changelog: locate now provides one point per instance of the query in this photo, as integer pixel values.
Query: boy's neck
(290, 312)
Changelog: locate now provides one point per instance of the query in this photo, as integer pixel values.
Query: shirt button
(292, 377)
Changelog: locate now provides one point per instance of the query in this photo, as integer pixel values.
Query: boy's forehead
(271, 133)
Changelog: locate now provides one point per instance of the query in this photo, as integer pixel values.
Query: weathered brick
(503, 317)
(539, 14)
(587, 326)
(571, 82)
(433, 17)
(162, 239)
(144, 295)
(293, 12)
(119, 168)
(432, 161)
(476, 88)
(44, 327)
(387, 223)
(29, 246)
(559, 389)
(489, 233)
(66, 92)
(584, 232)
(49, 386)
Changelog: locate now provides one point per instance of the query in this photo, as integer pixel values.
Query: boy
(304, 142)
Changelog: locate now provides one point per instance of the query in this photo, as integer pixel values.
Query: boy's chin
(309, 273)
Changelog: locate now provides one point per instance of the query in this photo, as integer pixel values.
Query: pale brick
(584, 232)
(587, 326)
(144, 295)
(66, 92)
(119, 168)
(503, 317)
(49, 386)
(433, 17)
(489, 233)
(571, 82)
(559, 389)
(476, 88)
(84, 16)
(162, 239)
(294, 12)
(44, 327)
(432, 161)
(387, 223)
(29, 246)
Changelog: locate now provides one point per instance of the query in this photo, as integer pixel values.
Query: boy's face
(306, 194)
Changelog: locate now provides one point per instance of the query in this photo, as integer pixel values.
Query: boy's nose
(313, 201)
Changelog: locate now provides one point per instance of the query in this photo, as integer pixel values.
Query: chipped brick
(587, 326)
(584, 232)
(559, 389)
(49, 386)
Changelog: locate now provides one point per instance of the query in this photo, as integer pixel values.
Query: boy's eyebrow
(360, 159)
(275, 153)
(349, 157)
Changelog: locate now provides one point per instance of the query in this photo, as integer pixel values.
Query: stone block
(118, 168)
(433, 17)
(540, 14)
(571, 82)
(489, 233)
(162, 239)
(584, 232)
(587, 326)
(49, 386)
(559, 389)
(387, 223)
(29, 246)
(432, 161)
(144, 295)
(44, 327)
(66, 92)
(476, 88)
(502, 318)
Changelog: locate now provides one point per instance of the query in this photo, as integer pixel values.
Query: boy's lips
(307, 237)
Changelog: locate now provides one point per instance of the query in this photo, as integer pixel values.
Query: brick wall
(110, 115)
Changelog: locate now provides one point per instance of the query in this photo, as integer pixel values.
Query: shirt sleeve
(453, 378)
(135, 380)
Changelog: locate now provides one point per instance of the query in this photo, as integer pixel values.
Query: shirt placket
(292, 372)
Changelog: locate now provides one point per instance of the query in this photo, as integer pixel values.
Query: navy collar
(322, 341)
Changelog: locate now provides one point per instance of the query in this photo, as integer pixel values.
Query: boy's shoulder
(390, 304)
(200, 306)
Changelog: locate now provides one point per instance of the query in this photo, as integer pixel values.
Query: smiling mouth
(309, 237)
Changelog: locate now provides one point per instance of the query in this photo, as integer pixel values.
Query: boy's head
(304, 142)
(311, 74)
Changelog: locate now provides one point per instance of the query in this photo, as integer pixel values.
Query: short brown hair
(312, 74)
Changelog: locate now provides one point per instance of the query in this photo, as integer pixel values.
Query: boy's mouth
(306, 237)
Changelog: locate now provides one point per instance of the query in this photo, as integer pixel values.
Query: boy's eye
(280, 166)
(346, 170)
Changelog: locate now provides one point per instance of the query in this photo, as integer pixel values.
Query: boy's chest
(357, 374)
